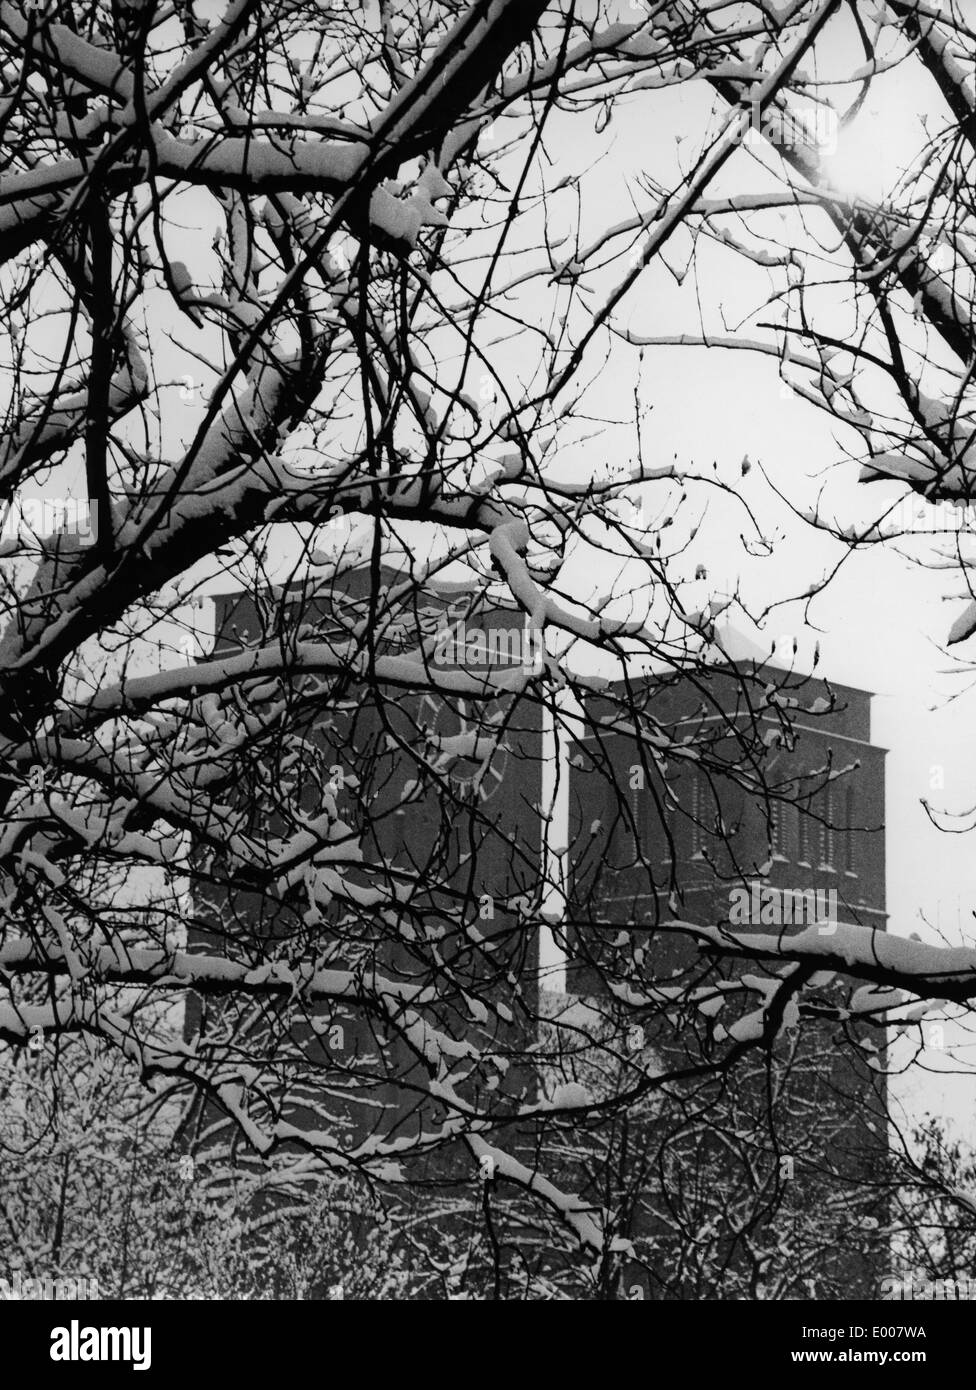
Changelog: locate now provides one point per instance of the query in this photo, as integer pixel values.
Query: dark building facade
(674, 814)
(685, 839)
(468, 843)
(753, 805)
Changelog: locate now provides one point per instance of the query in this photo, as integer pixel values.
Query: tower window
(850, 847)
(827, 833)
(697, 836)
(669, 827)
(777, 830)
(635, 825)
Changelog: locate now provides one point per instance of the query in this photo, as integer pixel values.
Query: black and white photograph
(488, 661)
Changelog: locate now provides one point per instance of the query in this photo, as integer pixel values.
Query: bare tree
(292, 293)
